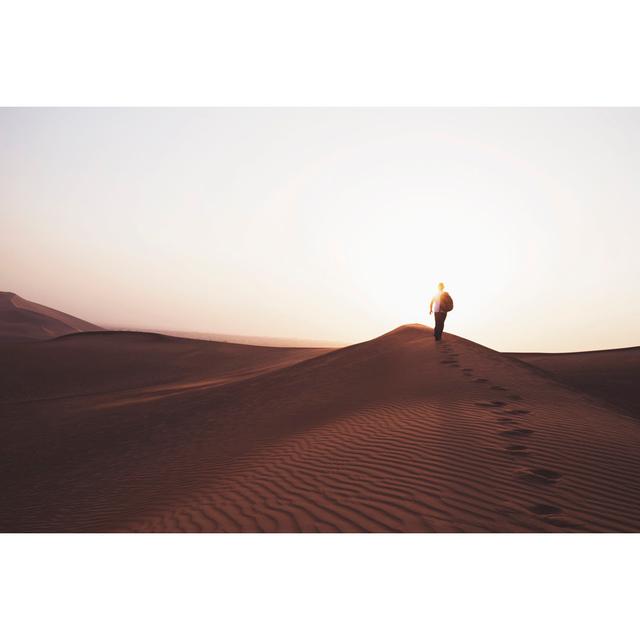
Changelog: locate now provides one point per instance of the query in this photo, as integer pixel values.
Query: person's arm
(431, 306)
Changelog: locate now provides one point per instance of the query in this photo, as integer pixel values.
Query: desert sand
(22, 320)
(135, 432)
(612, 375)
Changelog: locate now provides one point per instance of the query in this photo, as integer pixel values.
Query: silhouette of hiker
(440, 304)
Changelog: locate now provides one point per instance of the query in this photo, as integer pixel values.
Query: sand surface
(141, 432)
(612, 375)
(22, 320)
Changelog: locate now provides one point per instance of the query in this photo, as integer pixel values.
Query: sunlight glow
(329, 224)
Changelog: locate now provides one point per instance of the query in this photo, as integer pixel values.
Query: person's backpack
(446, 302)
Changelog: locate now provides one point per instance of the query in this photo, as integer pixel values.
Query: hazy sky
(329, 223)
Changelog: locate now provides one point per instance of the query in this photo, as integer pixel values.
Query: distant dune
(612, 375)
(260, 341)
(117, 431)
(108, 362)
(22, 319)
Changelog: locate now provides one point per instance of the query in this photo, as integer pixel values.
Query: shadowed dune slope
(107, 362)
(22, 319)
(395, 434)
(612, 375)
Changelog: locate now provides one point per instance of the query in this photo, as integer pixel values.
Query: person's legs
(437, 332)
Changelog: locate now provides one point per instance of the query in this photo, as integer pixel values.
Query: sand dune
(22, 319)
(140, 432)
(612, 375)
(109, 363)
(259, 341)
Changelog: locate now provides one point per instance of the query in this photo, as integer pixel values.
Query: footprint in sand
(564, 523)
(518, 412)
(516, 433)
(542, 509)
(517, 450)
(538, 476)
(498, 388)
(508, 511)
(481, 380)
(491, 404)
(514, 396)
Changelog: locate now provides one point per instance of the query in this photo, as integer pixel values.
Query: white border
(335, 52)
(320, 586)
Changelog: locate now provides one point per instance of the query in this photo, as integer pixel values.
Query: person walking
(440, 304)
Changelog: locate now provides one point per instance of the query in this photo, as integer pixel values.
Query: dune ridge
(613, 375)
(395, 434)
(22, 319)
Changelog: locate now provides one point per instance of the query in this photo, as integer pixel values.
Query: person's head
(440, 286)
